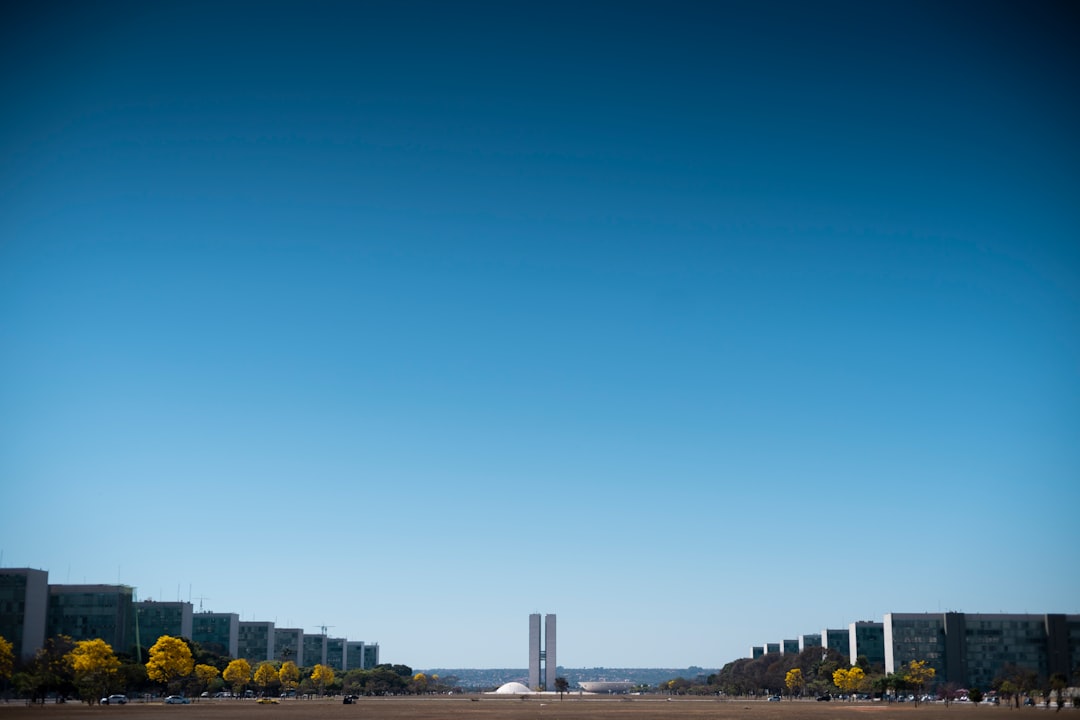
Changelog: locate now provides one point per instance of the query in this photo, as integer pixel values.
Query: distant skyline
(699, 325)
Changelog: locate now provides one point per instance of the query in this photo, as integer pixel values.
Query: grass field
(572, 707)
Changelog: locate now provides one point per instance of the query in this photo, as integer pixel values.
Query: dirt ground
(484, 707)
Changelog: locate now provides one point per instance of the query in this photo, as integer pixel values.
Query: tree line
(91, 669)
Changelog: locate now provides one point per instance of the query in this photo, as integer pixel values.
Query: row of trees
(91, 669)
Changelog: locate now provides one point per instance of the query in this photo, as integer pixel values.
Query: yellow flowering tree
(265, 675)
(170, 660)
(95, 665)
(289, 675)
(7, 658)
(848, 680)
(238, 674)
(322, 675)
(795, 681)
(917, 674)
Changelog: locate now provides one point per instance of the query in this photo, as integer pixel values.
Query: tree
(7, 658)
(289, 675)
(322, 675)
(48, 671)
(975, 695)
(206, 674)
(795, 681)
(170, 660)
(238, 674)
(94, 664)
(1058, 683)
(919, 673)
(561, 685)
(265, 675)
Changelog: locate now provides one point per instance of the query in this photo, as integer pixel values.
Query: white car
(177, 700)
(114, 700)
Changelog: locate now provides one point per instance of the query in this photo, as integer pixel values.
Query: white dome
(514, 688)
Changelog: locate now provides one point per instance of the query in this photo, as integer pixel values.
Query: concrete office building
(789, 646)
(88, 612)
(24, 602)
(219, 632)
(542, 656)
(971, 650)
(867, 639)
(371, 655)
(838, 640)
(772, 648)
(335, 653)
(757, 651)
(813, 640)
(354, 655)
(289, 645)
(256, 641)
(162, 618)
(314, 650)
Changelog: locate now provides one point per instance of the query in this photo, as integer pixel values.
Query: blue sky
(698, 324)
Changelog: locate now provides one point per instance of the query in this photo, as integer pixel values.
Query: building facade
(812, 640)
(289, 645)
(867, 639)
(972, 650)
(32, 611)
(162, 618)
(24, 602)
(838, 640)
(88, 612)
(255, 642)
(335, 653)
(218, 632)
(314, 650)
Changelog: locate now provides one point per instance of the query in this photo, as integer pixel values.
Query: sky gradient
(701, 325)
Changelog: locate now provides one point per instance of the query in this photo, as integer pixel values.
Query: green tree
(289, 675)
(795, 681)
(917, 674)
(94, 664)
(561, 685)
(265, 676)
(7, 658)
(48, 671)
(322, 675)
(238, 674)
(975, 695)
(170, 660)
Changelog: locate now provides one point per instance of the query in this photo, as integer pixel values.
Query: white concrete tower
(542, 654)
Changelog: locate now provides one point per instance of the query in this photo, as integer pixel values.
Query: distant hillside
(491, 678)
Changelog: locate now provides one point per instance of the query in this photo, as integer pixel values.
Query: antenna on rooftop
(324, 627)
(200, 599)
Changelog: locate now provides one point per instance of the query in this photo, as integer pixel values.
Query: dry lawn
(572, 707)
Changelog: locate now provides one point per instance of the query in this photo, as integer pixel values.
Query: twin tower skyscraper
(542, 656)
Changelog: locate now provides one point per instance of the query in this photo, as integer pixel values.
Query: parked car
(177, 700)
(114, 700)
(824, 698)
(774, 698)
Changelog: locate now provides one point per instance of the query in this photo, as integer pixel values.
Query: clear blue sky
(698, 324)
